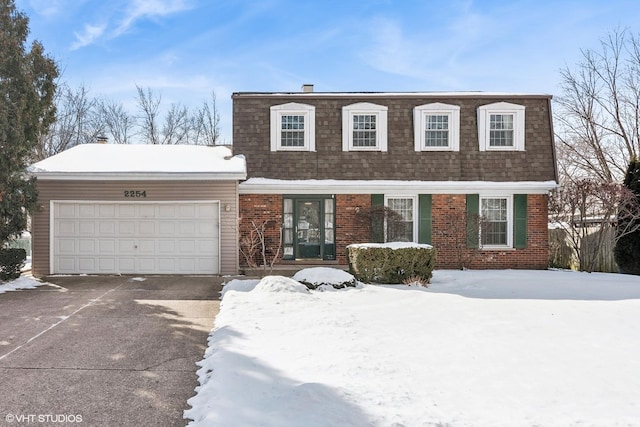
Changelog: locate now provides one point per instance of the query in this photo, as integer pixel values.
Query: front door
(309, 228)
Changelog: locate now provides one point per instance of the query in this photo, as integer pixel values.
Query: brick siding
(449, 238)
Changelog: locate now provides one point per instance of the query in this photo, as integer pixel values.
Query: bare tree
(77, 122)
(149, 106)
(206, 123)
(176, 126)
(587, 207)
(598, 114)
(118, 123)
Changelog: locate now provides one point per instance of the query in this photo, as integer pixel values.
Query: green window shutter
(424, 218)
(377, 218)
(520, 221)
(473, 214)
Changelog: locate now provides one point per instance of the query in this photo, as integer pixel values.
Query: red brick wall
(349, 229)
(448, 230)
(260, 209)
(449, 237)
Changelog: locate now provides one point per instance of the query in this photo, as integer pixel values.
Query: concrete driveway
(112, 350)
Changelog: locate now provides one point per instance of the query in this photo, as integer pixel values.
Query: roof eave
(140, 176)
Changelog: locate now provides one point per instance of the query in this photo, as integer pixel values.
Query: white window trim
(380, 111)
(420, 114)
(293, 108)
(484, 114)
(415, 212)
(509, 244)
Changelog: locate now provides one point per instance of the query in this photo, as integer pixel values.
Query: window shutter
(377, 218)
(473, 214)
(424, 218)
(520, 221)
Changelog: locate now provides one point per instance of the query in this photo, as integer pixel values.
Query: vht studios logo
(42, 418)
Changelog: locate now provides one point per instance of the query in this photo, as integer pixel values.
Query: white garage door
(135, 238)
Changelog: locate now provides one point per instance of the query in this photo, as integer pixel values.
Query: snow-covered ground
(22, 282)
(477, 348)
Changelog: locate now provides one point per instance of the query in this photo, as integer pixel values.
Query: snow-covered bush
(316, 277)
(391, 262)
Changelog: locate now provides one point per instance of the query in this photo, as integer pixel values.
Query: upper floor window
(364, 127)
(436, 127)
(501, 127)
(293, 127)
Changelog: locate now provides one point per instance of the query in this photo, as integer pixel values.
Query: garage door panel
(135, 238)
(86, 227)
(66, 228)
(107, 210)
(87, 246)
(126, 246)
(66, 246)
(166, 246)
(127, 265)
(86, 265)
(86, 211)
(107, 228)
(146, 228)
(126, 211)
(65, 211)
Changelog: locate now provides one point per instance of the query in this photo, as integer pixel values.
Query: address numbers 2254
(135, 193)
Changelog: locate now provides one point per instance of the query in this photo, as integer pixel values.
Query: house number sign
(135, 193)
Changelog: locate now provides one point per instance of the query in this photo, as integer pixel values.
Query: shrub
(391, 262)
(11, 262)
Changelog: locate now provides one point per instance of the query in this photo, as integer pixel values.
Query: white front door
(135, 237)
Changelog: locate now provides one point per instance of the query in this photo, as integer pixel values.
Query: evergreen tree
(27, 86)
(627, 249)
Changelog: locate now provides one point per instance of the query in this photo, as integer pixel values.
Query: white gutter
(330, 186)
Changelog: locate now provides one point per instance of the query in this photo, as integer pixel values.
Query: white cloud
(140, 9)
(88, 36)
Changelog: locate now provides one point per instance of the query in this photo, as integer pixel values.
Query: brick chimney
(307, 88)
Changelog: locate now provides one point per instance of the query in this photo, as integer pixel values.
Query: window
(401, 227)
(501, 127)
(293, 127)
(436, 127)
(364, 127)
(496, 221)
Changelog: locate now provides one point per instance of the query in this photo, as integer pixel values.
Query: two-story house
(468, 172)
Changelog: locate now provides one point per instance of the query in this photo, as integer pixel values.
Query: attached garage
(174, 211)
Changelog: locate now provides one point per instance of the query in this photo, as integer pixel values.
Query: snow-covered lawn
(477, 348)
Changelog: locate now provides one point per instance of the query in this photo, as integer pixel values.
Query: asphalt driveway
(103, 351)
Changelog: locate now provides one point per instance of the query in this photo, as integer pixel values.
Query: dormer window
(501, 127)
(364, 127)
(293, 127)
(436, 127)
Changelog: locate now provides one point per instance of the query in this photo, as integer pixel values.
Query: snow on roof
(97, 161)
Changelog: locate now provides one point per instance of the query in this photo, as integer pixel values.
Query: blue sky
(184, 49)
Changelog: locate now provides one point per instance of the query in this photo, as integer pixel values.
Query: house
(137, 209)
(468, 172)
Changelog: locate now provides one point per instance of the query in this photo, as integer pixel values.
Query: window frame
(293, 109)
(501, 108)
(368, 109)
(415, 214)
(420, 115)
(510, 221)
